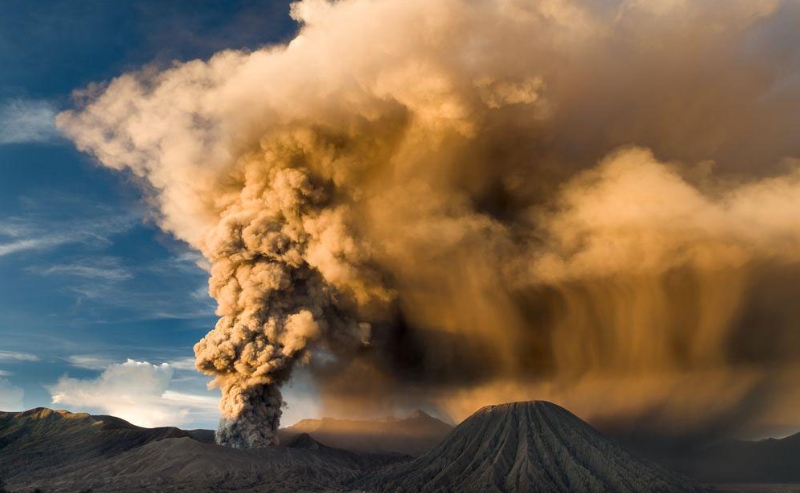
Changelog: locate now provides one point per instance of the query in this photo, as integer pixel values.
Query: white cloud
(181, 398)
(89, 362)
(26, 120)
(17, 356)
(39, 230)
(101, 268)
(29, 244)
(10, 396)
(101, 362)
(183, 364)
(4, 373)
(35, 241)
(136, 391)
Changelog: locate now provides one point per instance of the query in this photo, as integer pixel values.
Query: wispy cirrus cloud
(102, 268)
(16, 243)
(27, 244)
(27, 121)
(89, 361)
(41, 231)
(77, 246)
(103, 361)
(16, 356)
(186, 364)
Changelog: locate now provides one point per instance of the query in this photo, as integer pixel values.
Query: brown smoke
(407, 198)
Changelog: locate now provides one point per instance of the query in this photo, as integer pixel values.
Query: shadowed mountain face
(184, 464)
(414, 435)
(715, 460)
(520, 447)
(738, 461)
(41, 440)
(527, 446)
(59, 451)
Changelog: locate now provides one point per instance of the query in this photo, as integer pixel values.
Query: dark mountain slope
(40, 439)
(519, 447)
(184, 464)
(737, 461)
(526, 446)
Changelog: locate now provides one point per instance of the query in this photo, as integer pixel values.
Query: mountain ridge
(40, 444)
(527, 446)
(413, 435)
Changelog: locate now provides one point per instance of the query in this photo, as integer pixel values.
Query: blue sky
(90, 289)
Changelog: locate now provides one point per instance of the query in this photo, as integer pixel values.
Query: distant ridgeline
(528, 446)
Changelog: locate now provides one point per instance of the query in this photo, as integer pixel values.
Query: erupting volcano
(460, 202)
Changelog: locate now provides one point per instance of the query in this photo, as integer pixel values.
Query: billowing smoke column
(465, 202)
(273, 298)
(271, 302)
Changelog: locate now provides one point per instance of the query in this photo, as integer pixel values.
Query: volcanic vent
(528, 446)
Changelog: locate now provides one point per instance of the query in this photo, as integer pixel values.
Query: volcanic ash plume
(267, 253)
(466, 201)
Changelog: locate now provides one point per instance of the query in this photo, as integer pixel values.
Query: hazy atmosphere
(364, 207)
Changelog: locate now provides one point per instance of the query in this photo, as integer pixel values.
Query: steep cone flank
(532, 447)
